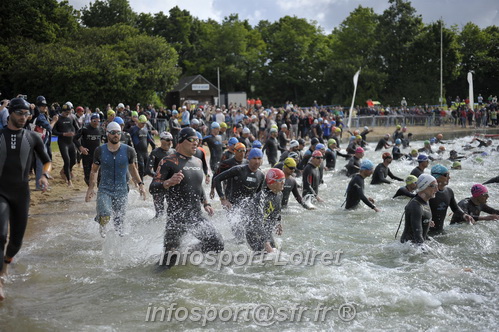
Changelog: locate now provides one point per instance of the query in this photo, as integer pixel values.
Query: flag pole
(355, 80)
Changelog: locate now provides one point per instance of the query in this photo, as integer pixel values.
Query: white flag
(470, 94)
(355, 80)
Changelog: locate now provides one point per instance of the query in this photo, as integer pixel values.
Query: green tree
(104, 13)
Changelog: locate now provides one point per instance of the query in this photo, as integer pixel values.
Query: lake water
(67, 277)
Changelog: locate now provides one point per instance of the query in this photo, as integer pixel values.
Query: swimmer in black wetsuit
(475, 204)
(355, 189)
(141, 138)
(229, 153)
(312, 177)
(264, 213)
(155, 158)
(180, 177)
(407, 190)
(290, 185)
(214, 142)
(444, 198)
(238, 159)
(86, 140)
(423, 163)
(244, 182)
(271, 147)
(383, 143)
(353, 165)
(382, 171)
(16, 157)
(418, 212)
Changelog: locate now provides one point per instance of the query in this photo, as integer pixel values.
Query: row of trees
(106, 53)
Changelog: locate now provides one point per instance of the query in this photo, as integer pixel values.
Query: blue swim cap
(320, 146)
(398, 141)
(117, 119)
(438, 171)
(215, 125)
(174, 112)
(256, 144)
(233, 141)
(422, 157)
(198, 134)
(433, 140)
(255, 153)
(366, 164)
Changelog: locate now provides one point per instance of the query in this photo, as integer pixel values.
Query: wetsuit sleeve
(97, 155)
(415, 216)
(165, 171)
(296, 193)
(390, 174)
(489, 210)
(77, 137)
(455, 207)
(493, 180)
(380, 176)
(362, 197)
(217, 180)
(151, 141)
(150, 165)
(205, 164)
(39, 148)
(132, 155)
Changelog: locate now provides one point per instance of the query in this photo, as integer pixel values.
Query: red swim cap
(274, 175)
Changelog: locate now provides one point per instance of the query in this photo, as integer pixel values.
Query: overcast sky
(328, 13)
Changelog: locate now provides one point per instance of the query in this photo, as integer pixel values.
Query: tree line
(107, 53)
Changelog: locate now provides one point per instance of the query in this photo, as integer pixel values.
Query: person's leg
(4, 228)
(210, 237)
(159, 204)
(104, 209)
(174, 231)
(87, 167)
(120, 202)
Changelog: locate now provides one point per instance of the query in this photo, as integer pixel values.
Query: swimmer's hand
(175, 179)
(209, 210)
(212, 193)
(432, 223)
(226, 203)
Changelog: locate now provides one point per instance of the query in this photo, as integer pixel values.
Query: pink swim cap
(478, 189)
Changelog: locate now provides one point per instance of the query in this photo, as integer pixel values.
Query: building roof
(186, 81)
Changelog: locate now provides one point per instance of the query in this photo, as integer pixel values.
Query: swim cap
(441, 148)
(185, 133)
(399, 126)
(478, 190)
(358, 137)
(198, 134)
(356, 133)
(359, 150)
(97, 116)
(424, 181)
(232, 141)
(422, 157)
(293, 144)
(439, 170)
(223, 125)
(426, 142)
(195, 122)
(113, 126)
(331, 141)
(398, 141)
(165, 135)
(386, 155)
(314, 141)
(274, 175)
(289, 162)
(293, 155)
(111, 113)
(433, 140)
(387, 135)
(317, 153)
(410, 179)
(246, 130)
(174, 112)
(320, 119)
(79, 109)
(333, 123)
(456, 164)
(366, 128)
(134, 114)
(479, 160)
(255, 153)
(142, 119)
(284, 126)
(320, 146)
(414, 151)
(256, 144)
(239, 146)
(215, 125)
(301, 141)
(337, 130)
(366, 165)
(18, 104)
(273, 126)
(120, 105)
(272, 130)
(352, 138)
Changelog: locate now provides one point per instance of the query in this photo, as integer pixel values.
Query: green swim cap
(331, 141)
(411, 179)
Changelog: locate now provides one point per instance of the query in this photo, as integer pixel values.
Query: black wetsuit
(66, 145)
(493, 180)
(443, 200)
(381, 144)
(264, 214)
(396, 153)
(125, 138)
(155, 157)
(90, 138)
(417, 221)
(216, 150)
(417, 172)
(243, 183)
(381, 173)
(227, 154)
(16, 157)
(330, 157)
(473, 210)
(290, 186)
(174, 129)
(270, 148)
(283, 141)
(184, 203)
(305, 158)
(353, 166)
(141, 138)
(403, 191)
(202, 155)
(311, 180)
(355, 193)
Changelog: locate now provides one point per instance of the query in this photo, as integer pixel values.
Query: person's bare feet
(3, 275)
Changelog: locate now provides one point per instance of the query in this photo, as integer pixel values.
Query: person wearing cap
(282, 138)
(475, 204)
(312, 177)
(355, 189)
(363, 134)
(423, 163)
(353, 165)
(125, 137)
(335, 132)
(214, 142)
(86, 140)
(66, 128)
(293, 147)
(382, 171)
(16, 151)
(229, 153)
(418, 218)
(408, 189)
(174, 127)
(383, 143)
(271, 147)
(237, 159)
(243, 182)
(457, 166)
(290, 185)
(153, 161)
(130, 123)
(141, 139)
(308, 154)
(396, 153)
(426, 149)
(398, 133)
(352, 145)
(331, 154)
(264, 213)
(444, 198)
(453, 156)
(180, 178)
(246, 138)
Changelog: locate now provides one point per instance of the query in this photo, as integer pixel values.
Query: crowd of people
(113, 148)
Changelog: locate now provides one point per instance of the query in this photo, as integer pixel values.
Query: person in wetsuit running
(475, 204)
(214, 142)
(355, 189)
(290, 185)
(264, 214)
(238, 159)
(141, 138)
(418, 212)
(180, 177)
(87, 139)
(66, 128)
(244, 182)
(444, 198)
(155, 157)
(16, 157)
(382, 171)
(271, 147)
